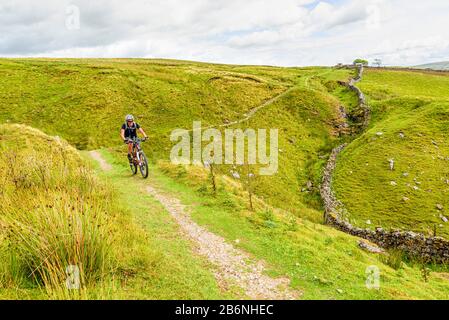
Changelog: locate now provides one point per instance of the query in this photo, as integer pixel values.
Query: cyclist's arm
(122, 134)
(143, 132)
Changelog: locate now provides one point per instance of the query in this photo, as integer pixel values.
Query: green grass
(177, 272)
(136, 251)
(123, 243)
(416, 106)
(60, 221)
(85, 101)
(320, 261)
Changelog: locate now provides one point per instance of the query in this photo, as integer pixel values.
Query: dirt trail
(252, 112)
(233, 265)
(103, 164)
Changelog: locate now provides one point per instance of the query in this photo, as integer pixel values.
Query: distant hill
(435, 66)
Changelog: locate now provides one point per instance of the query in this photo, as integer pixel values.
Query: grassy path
(321, 263)
(164, 266)
(232, 267)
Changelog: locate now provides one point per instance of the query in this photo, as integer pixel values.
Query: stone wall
(429, 249)
(362, 105)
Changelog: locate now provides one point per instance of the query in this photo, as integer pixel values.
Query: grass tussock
(59, 227)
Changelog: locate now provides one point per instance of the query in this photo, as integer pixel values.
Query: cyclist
(129, 132)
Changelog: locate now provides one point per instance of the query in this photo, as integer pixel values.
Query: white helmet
(129, 117)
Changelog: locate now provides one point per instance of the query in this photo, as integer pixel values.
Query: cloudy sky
(271, 32)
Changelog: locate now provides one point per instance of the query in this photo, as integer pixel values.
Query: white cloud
(278, 32)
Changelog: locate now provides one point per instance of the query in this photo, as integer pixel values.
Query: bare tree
(377, 63)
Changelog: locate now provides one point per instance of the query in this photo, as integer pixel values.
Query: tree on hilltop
(362, 61)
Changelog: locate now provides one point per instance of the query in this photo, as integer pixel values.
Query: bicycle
(139, 158)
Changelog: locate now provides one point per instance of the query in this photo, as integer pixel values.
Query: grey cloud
(275, 32)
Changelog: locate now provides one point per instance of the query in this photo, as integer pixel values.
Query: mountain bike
(139, 158)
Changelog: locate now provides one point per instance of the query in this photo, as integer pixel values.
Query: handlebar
(127, 140)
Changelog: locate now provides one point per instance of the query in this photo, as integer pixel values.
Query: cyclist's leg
(130, 151)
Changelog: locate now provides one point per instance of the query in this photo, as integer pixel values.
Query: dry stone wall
(428, 249)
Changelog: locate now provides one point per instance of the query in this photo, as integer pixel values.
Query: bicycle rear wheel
(143, 165)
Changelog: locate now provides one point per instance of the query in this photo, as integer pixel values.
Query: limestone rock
(391, 162)
(370, 247)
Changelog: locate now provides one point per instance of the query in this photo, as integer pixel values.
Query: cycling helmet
(129, 117)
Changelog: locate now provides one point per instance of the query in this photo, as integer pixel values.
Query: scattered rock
(340, 291)
(379, 134)
(309, 185)
(415, 188)
(370, 247)
(368, 221)
(393, 183)
(405, 174)
(445, 220)
(440, 207)
(391, 162)
(235, 174)
(401, 135)
(405, 199)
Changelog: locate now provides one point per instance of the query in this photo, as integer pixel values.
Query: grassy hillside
(127, 244)
(321, 262)
(85, 101)
(55, 212)
(435, 66)
(410, 121)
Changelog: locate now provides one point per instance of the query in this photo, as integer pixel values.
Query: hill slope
(435, 66)
(410, 121)
(84, 101)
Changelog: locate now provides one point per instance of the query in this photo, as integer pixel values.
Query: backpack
(131, 128)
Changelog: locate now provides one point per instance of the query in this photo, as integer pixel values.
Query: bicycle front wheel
(133, 167)
(143, 165)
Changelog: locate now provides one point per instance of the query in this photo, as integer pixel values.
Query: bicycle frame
(136, 150)
(139, 157)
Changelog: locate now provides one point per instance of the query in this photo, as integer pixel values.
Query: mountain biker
(128, 132)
